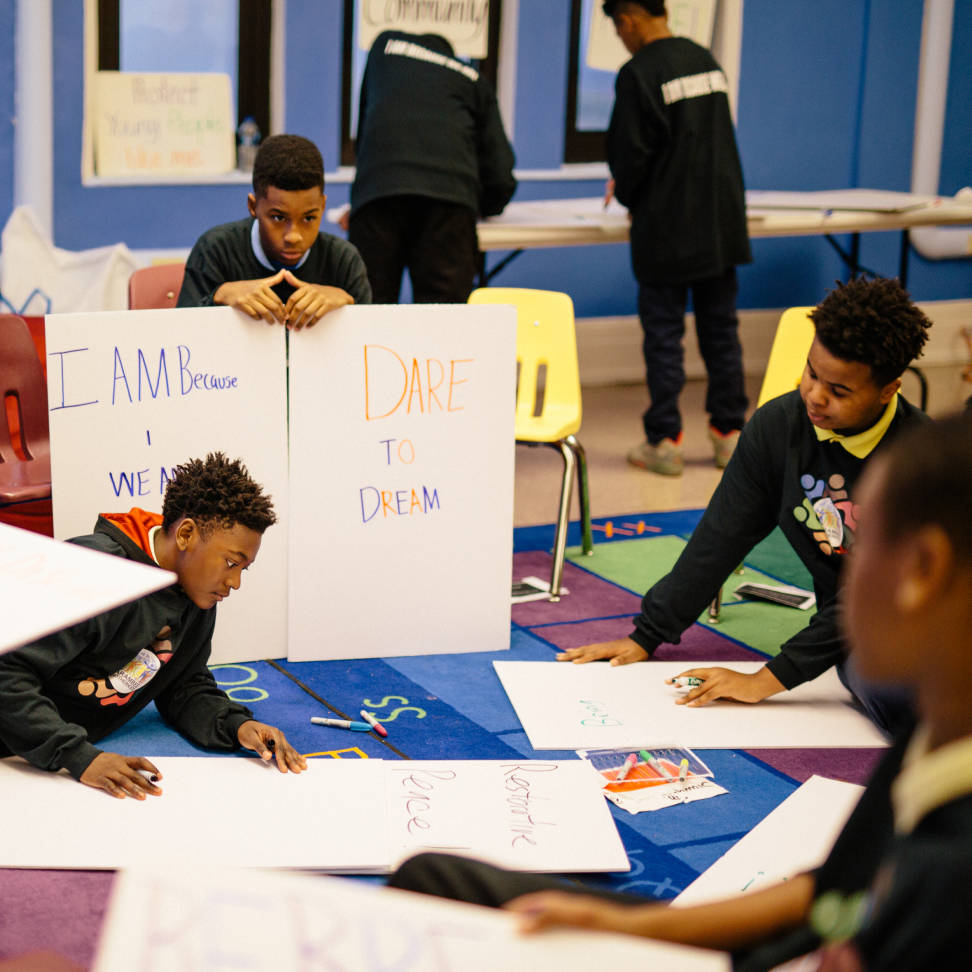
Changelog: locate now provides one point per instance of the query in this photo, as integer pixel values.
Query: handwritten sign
(46, 586)
(401, 456)
(531, 815)
(161, 124)
(132, 394)
(464, 23)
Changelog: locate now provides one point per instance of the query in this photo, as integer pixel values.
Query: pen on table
(686, 681)
(683, 771)
(655, 765)
(623, 772)
(374, 723)
(342, 724)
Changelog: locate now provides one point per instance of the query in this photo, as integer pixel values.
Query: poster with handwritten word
(46, 586)
(401, 481)
(163, 124)
(132, 394)
(465, 24)
(529, 815)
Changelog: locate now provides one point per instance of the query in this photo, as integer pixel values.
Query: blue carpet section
(678, 522)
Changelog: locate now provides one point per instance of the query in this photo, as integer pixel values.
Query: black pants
(436, 240)
(662, 312)
(890, 709)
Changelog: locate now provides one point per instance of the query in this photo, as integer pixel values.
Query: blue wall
(826, 100)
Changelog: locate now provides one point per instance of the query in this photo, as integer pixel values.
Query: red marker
(374, 723)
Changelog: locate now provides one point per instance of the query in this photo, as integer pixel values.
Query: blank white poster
(401, 481)
(195, 918)
(797, 836)
(132, 394)
(46, 586)
(597, 706)
(227, 812)
(529, 815)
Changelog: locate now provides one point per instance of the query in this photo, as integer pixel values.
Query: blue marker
(342, 724)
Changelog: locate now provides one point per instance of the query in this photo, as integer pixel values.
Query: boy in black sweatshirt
(68, 690)
(276, 265)
(795, 467)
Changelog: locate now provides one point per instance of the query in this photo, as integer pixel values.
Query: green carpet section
(638, 564)
(776, 557)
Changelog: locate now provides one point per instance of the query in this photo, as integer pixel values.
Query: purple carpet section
(849, 765)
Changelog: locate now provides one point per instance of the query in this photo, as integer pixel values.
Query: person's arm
(632, 138)
(496, 158)
(812, 651)
(202, 278)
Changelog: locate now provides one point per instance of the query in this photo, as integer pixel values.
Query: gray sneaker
(664, 458)
(724, 445)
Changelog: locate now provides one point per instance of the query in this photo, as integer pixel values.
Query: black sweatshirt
(63, 693)
(778, 471)
(429, 125)
(225, 253)
(672, 153)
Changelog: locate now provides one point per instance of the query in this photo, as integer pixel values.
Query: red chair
(22, 379)
(155, 287)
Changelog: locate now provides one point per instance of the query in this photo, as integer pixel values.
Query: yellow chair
(545, 336)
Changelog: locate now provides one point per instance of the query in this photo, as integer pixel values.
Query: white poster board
(401, 479)
(169, 919)
(465, 25)
(528, 816)
(46, 586)
(599, 706)
(131, 395)
(797, 836)
(163, 124)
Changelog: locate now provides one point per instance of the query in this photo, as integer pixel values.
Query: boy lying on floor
(63, 693)
(795, 466)
(895, 893)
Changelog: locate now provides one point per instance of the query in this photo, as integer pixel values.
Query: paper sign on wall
(401, 481)
(160, 124)
(132, 394)
(464, 24)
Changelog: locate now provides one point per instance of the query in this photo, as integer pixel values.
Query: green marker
(655, 765)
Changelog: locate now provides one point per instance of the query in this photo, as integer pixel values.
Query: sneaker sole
(663, 469)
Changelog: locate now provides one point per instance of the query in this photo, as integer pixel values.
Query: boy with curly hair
(795, 467)
(65, 692)
(276, 265)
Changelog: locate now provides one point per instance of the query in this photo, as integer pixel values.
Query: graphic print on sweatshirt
(119, 687)
(828, 513)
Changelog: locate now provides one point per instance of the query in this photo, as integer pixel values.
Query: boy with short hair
(795, 466)
(276, 265)
(70, 689)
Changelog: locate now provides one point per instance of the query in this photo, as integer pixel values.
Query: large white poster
(132, 394)
(464, 23)
(401, 473)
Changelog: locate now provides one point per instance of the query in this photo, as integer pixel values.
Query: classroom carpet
(454, 707)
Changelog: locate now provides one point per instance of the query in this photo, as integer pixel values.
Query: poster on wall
(163, 124)
(464, 23)
(132, 394)
(401, 481)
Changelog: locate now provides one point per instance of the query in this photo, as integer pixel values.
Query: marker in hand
(628, 764)
(686, 681)
(374, 723)
(342, 724)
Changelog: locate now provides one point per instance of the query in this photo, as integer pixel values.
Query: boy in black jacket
(276, 265)
(796, 465)
(895, 894)
(63, 693)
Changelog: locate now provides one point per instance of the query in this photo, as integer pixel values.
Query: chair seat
(555, 423)
(22, 481)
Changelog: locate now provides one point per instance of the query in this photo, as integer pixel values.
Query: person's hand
(621, 652)
(608, 192)
(254, 297)
(721, 683)
(256, 736)
(310, 302)
(546, 909)
(345, 221)
(120, 776)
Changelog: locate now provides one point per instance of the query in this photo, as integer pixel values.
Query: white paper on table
(171, 919)
(599, 706)
(46, 586)
(224, 811)
(666, 795)
(858, 200)
(530, 815)
(795, 837)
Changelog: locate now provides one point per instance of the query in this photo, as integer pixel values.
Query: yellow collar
(864, 443)
(929, 780)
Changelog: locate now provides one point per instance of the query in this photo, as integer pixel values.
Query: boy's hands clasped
(306, 306)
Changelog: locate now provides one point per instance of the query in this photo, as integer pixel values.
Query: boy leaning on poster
(68, 690)
(276, 265)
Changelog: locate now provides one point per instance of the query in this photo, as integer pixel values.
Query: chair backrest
(21, 376)
(155, 287)
(544, 336)
(794, 335)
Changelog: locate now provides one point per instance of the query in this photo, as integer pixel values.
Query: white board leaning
(131, 394)
(46, 586)
(401, 478)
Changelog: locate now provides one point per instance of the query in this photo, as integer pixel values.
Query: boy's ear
(926, 568)
(184, 533)
(251, 204)
(889, 390)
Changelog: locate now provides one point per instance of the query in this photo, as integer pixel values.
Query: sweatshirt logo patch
(138, 672)
(118, 688)
(694, 86)
(828, 513)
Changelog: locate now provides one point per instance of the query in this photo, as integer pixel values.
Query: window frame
(579, 146)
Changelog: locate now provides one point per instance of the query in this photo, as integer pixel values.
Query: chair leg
(584, 495)
(715, 609)
(563, 518)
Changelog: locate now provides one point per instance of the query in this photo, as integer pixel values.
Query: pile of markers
(370, 723)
